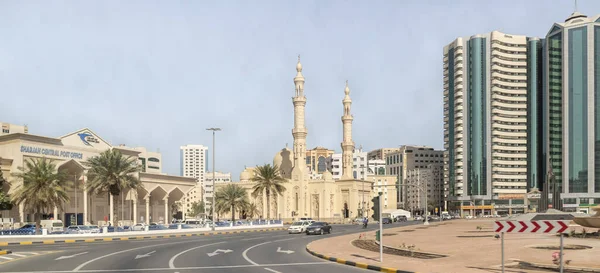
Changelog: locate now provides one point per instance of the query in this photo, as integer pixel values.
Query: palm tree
(231, 198)
(268, 179)
(5, 203)
(43, 187)
(251, 210)
(113, 173)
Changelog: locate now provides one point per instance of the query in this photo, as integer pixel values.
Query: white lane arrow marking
(284, 251)
(144, 255)
(216, 252)
(70, 256)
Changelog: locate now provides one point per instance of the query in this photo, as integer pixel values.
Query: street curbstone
(5, 252)
(356, 264)
(117, 239)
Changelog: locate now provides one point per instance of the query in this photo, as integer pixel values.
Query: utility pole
(213, 176)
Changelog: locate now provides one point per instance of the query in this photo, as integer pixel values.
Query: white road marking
(144, 255)
(284, 251)
(274, 271)
(172, 260)
(7, 258)
(245, 255)
(216, 252)
(131, 249)
(19, 255)
(181, 268)
(32, 253)
(70, 256)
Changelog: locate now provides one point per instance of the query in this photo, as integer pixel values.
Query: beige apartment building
(380, 154)
(408, 158)
(316, 159)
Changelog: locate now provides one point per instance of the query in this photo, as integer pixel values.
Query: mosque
(323, 198)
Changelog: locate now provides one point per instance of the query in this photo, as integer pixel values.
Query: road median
(124, 237)
(357, 264)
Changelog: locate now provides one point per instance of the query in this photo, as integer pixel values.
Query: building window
(322, 166)
(153, 159)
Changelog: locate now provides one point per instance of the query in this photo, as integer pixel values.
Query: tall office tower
(572, 60)
(486, 124)
(194, 164)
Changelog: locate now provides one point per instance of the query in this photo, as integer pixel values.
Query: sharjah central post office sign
(50, 152)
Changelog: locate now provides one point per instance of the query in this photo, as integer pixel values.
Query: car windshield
(297, 224)
(317, 224)
(93, 226)
(57, 224)
(84, 227)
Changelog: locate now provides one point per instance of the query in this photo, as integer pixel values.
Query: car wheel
(322, 232)
(330, 230)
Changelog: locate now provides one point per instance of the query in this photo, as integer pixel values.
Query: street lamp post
(213, 177)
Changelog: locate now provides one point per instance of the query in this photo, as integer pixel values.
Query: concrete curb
(127, 238)
(5, 252)
(355, 264)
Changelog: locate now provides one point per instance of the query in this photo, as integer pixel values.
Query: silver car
(78, 230)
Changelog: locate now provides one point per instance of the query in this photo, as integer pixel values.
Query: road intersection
(274, 252)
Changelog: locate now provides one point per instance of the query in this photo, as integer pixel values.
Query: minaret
(347, 143)
(299, 131)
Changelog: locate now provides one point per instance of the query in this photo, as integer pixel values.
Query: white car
(298, 227)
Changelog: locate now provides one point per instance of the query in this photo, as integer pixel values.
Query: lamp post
(213, 177)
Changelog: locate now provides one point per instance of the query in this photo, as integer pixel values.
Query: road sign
(531, 226)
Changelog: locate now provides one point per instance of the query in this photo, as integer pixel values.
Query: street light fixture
(213, 176)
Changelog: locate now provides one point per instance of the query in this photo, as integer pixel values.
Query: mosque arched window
(322, 165)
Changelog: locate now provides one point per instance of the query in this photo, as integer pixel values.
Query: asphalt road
(263, 252)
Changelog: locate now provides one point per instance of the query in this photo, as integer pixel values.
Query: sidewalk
(474, 251)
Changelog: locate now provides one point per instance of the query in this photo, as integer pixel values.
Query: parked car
(95, 229)
(386, 220)
(78, 230)
(318, 228)
(138, 227)
(401, 218)
(298, 227)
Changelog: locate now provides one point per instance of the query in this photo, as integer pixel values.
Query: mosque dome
(245, 175)
(279, 157)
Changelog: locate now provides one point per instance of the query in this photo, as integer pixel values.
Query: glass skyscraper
(572, 59)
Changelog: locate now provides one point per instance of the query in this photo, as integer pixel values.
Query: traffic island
(464, 255)
(356, 264)
(5, 252)
(551, 267)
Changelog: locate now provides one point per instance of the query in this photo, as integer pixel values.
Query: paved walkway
(465, 254)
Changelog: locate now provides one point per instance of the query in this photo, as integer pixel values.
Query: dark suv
(387, 220)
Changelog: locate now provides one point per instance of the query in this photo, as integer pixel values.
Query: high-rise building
(194, 163)
(406, 159)
(572, 59)
(492, 87)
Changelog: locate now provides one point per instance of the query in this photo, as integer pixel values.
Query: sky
(158, 73)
